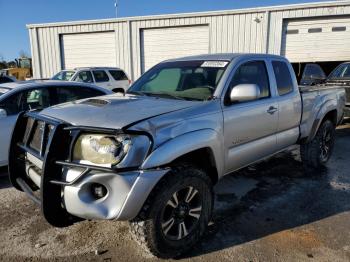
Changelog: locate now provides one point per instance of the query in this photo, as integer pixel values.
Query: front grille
(37, 139)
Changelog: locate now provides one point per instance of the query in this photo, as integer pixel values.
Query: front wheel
(318, 151)
(176, 214)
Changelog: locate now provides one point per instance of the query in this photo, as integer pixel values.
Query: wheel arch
(202, 148)
(331, 114)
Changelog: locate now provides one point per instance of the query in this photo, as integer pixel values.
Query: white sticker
(214, 64)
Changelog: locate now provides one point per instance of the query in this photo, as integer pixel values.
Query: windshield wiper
(166, 95)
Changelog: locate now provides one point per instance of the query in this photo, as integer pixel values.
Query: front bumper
(63, 187)
(126, 193)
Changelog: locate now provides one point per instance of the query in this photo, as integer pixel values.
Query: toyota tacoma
(152, 155)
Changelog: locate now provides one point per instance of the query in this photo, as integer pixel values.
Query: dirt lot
(272, 211)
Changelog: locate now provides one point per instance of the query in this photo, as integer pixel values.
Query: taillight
(130, 82)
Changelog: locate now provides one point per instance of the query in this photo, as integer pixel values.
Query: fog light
(98, 191)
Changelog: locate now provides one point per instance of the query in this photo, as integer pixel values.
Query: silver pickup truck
(152, 155)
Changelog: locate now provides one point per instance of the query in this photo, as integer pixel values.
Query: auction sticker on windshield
(214, 64)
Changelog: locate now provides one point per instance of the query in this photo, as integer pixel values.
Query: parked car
(36, 95)
(341, 76)
(112, 78)
(312, 74)
(153, 155)
(7, 79)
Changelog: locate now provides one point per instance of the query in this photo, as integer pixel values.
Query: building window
(338, 28)
(292, 32)
(315, 30)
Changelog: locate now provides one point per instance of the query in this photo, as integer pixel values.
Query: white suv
(111, 78)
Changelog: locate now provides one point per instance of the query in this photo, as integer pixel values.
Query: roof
(97, 67)
(198, 14)
(223, 57)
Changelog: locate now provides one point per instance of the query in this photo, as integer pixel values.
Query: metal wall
(256, 30)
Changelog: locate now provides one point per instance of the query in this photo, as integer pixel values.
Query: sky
(15, 14)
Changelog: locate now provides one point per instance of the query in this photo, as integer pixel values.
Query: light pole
(116, 8)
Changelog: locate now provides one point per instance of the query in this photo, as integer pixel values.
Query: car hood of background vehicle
(114, 111)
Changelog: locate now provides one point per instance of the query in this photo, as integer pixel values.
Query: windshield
(63, 75)
(190, 80)
(341, 72)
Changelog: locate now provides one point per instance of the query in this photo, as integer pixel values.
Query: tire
(168, 229)
(317, 152)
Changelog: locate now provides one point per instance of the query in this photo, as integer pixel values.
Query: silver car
(36, 95)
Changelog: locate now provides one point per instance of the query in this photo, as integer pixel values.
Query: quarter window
(118, 75)
(253, 73)
(283, 78)
(100, 76)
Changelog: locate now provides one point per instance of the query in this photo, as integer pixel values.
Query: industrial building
(317, 32)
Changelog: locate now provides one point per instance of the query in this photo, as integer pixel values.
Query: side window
(100, 76)
(36, 99)
(12, 104)
(68, 94)
(254, 72)
(118, 75)
(283, 77)
(84, 76)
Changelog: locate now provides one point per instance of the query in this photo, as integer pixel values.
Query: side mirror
(245, 92)
(3, 113)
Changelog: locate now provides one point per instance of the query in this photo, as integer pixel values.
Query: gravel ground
(272, 211)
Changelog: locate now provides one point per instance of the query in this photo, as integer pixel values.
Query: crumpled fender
(186, 143)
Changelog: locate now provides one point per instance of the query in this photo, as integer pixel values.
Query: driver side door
(250, 127)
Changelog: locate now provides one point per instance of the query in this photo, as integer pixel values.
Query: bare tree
(23, 54)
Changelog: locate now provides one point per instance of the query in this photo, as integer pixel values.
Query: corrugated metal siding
(230, 31)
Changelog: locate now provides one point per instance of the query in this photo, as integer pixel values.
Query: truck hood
(114, 111)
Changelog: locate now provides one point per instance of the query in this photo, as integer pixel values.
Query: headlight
(106, 150)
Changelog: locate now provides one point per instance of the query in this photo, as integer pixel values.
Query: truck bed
(314, 100)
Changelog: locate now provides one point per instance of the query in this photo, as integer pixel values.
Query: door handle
(272, 110)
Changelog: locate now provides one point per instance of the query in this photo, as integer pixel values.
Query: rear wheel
(318, 151)
(176, 214)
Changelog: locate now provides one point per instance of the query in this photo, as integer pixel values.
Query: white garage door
(166, 43)
(88, 49)
(315, 40)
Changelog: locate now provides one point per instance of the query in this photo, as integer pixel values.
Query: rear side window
(68, 94)
(283, 77)
(254, 72)
(118, 75)
(100, 76)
